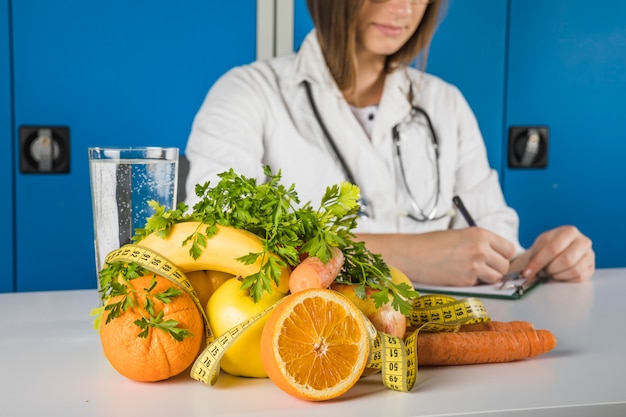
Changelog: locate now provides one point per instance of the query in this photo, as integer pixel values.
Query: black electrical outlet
(44, 149)
(528, 147)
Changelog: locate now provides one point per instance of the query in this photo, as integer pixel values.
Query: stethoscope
(366, 211)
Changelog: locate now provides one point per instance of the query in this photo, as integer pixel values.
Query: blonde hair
(335, 22)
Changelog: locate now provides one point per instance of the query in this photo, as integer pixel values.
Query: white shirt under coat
(259, 114)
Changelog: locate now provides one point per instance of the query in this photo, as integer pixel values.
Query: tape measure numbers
(444, 313)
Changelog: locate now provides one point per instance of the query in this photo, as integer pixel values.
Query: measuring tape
(396, 358)
(444, 313)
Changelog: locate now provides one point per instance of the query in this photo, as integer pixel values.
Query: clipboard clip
(515, 280)
(511, 280)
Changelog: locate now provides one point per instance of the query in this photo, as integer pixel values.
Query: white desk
(51, 363)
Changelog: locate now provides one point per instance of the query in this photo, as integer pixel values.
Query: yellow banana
(220, 254)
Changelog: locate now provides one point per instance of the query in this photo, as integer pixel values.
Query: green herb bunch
(287, 229)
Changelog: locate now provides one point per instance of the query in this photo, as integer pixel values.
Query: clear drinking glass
(123, 180)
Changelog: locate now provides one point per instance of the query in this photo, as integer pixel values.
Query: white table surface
(51, 363)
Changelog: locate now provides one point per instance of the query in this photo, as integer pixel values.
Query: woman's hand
(461, 257)
(564, 253)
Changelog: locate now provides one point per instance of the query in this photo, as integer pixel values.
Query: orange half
(314, 345)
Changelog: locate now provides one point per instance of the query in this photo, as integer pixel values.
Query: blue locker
(115, 73)
(567, 70)
(6, 152)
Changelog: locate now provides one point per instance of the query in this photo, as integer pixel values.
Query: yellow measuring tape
(397, 359)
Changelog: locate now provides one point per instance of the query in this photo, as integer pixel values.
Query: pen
(511, 276)
(459, 204)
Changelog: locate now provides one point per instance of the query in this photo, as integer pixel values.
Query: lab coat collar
(394, 106)
(311, 66)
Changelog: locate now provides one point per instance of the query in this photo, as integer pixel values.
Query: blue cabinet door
(567, 70)
(6, 160)
(115, 73)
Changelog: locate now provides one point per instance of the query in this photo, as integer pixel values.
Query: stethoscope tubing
(366, 210)
(395, 134)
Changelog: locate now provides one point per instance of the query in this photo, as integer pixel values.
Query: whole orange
(157, 355)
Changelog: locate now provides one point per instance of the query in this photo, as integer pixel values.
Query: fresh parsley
(287, 229)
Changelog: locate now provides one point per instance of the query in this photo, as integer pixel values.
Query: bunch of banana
(220, 254)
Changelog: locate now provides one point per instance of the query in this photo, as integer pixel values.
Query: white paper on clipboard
(512, 289)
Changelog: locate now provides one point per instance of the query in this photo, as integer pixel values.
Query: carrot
(313, 273)
(497, 326)
(464, 348)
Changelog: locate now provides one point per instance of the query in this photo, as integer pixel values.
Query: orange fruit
(314, 345)
(157, 356)
(205, 282)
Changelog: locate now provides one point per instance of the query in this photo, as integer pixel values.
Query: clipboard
(511, 289)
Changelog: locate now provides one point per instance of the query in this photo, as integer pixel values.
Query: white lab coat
(259, 114)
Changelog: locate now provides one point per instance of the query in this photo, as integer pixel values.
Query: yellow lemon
(229, 306)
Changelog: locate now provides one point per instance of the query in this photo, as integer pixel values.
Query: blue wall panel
(567, 70)
(468, 50)
(6, 152)
(116, 73)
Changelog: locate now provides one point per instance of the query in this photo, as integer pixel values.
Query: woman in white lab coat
(347, 106)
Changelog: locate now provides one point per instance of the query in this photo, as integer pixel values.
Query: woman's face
(384, 26)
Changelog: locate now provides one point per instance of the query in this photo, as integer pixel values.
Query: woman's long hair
(336, 23)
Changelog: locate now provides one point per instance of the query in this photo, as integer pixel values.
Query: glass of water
(123, 181)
